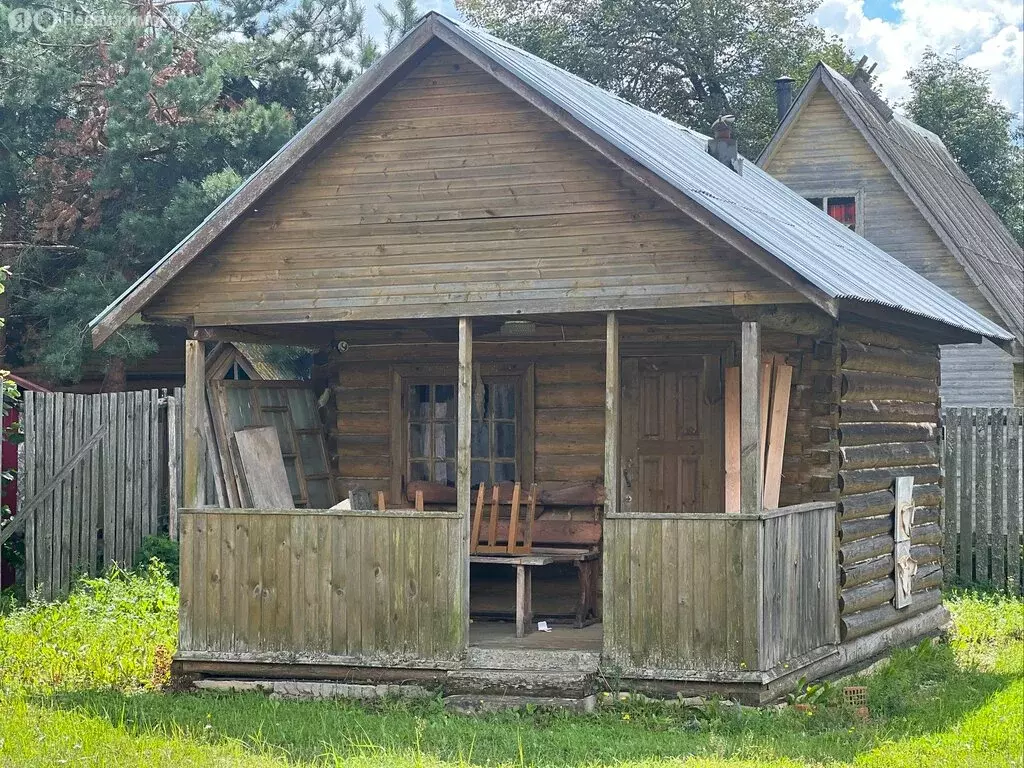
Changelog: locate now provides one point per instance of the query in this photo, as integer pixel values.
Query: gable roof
(926, 171)
(760, 216)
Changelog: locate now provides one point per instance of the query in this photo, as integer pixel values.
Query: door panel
(672, 421)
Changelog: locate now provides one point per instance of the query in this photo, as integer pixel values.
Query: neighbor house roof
(751, 210)
(926, 171)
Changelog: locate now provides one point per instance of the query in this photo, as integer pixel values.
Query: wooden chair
(512, 545)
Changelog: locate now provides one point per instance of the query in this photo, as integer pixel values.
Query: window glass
(432, 415)
(817, 202)
(843, 210)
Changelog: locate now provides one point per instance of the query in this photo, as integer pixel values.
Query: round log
(888, 455)
(869, 570)
(929, 533)
(866, 505)
(885, 615)
(925, 553)
(868, 433)
(927, 515)
(927, 495)
(858, 356)
(864, 385)
(927, 577)
(878, 338)
(888, 410)
(853, 481)
(854, 530)
(865, 549)
(866, 596)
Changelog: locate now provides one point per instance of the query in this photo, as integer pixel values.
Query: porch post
(463, 456)
(194, 440)
(750, 417)
(611, 415)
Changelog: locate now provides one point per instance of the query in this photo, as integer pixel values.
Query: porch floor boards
(502, 634)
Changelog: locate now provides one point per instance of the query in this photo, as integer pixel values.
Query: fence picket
(984, 516)
(101, 482)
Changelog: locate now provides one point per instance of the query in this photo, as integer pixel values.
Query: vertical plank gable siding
(452, 196)
(299, 585)
(824, 154)
(719, 593)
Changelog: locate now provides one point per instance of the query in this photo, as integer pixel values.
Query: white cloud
(984, 33)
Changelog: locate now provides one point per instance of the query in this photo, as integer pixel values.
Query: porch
(700, 583)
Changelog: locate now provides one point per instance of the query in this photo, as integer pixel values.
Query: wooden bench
(524, 543)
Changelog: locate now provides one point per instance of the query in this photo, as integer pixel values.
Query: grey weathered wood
(194, 446)
(262, 468)
(904, 520)
(173, 465)
(750, 417)
(997, 496)
(463, 455)
(612, 394)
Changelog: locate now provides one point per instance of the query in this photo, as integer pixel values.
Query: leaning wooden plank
(262, 466)
(779, 419)
(27, 484)
(732, 439)
(998, 496)
(1014, 498)
(766, 407)
(173, 464)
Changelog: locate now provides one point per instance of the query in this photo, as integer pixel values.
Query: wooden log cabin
(725, 399)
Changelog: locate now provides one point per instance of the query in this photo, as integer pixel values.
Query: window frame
(404, 376)
(858, 203)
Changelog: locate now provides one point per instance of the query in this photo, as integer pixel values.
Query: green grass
(80, 685)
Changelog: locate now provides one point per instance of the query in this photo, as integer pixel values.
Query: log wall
(887, 426)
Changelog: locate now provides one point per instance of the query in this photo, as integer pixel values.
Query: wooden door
(672, 434)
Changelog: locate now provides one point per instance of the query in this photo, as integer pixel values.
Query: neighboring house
(515, 276)
(841, 147)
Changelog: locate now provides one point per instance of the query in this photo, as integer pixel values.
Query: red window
(842, 209)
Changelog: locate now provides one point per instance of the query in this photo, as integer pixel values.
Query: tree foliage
(689, 60)
(123, 124)
(955, 102)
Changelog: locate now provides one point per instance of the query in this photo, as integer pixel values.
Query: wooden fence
(984, 503)
(92, 483)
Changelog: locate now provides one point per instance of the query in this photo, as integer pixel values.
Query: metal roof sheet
(826, 253)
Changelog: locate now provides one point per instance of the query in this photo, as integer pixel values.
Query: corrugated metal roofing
(826, 253)
(978, 238)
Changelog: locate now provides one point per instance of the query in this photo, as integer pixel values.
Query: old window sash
(424, 425)
(844, 208)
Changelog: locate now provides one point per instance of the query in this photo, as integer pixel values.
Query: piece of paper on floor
(542, 626)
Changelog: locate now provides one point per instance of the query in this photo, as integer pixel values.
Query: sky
(987, 34)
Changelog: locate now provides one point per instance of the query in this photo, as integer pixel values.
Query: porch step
(505, 682)
(532, 659)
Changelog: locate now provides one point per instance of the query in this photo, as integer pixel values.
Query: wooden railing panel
(800, 584)
(683, 592)
(298, 585)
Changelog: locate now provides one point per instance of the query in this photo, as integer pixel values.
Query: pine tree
(122, 126)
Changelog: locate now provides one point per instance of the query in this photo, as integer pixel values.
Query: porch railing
(738, 593)
(366, 588)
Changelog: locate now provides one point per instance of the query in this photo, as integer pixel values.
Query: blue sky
(988, 34)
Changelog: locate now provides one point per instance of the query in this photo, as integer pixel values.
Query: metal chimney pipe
(783, 95)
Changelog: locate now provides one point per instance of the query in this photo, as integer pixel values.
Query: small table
(524, 565)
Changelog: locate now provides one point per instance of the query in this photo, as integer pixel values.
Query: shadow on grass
(923, 691)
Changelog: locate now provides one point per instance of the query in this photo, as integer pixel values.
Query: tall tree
(690, 60)
(955, 102)
(398, 20)
(122, 124)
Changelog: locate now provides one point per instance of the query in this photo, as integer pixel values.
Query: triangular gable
(922, 167)
(754, 213)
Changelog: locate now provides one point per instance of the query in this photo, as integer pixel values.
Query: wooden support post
(611, 416)
(194, 438)
(750, 417)
(463, 455)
